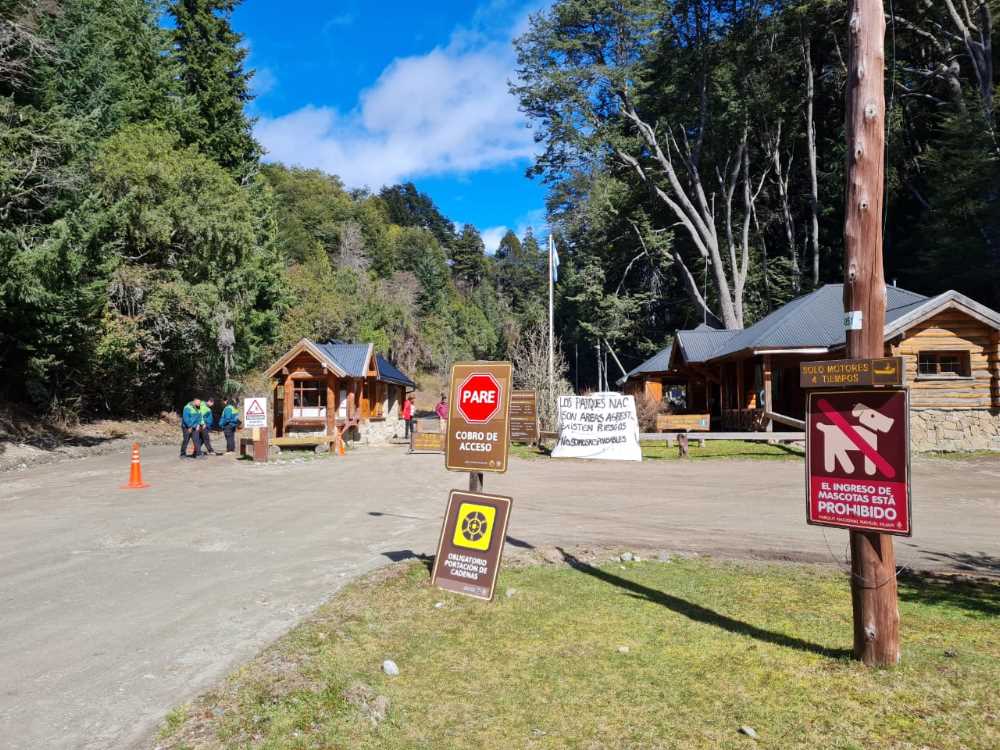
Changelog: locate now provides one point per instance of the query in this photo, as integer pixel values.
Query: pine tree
(521, 268)
(111, 68)
(431, 271)
(509, 247)
(217, 87)
(468, 259)
(407, 207)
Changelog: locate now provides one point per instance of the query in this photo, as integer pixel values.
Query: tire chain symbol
(474, 526)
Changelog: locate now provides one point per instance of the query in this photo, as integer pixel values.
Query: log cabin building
(950, 345)
(319, 390)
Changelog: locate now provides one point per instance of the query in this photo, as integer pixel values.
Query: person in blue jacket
(191, 427)
(230, 422)
(207, 421)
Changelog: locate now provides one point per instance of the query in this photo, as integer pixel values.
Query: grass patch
(529, 452)
(726, 449)
(656, 451)
(711, 647)
(960, 455)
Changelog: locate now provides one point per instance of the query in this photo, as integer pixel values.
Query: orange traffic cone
(135, 475)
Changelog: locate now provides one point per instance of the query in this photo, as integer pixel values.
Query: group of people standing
(198, 420)
(409, 413)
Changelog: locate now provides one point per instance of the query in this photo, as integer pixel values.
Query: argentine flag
(555, 259)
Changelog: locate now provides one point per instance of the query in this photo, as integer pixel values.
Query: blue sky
(379, 93)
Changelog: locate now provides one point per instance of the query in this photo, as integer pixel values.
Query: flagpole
(552, 335)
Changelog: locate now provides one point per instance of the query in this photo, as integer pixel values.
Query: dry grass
(711, 647)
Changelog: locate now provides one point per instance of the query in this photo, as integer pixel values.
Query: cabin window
(308, 399)
(944, 364)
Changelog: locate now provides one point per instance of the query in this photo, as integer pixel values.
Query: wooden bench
(320, 443)
(301, 442)
(683, 422)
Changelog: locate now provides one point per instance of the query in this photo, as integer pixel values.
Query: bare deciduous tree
(529, 353)
(813, 230)
(352, 246)
(695, 209)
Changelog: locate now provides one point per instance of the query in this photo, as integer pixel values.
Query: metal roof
(388, 372)
(812, 320)
(701, 343)
(659, 362)
(352, 358)
(949, 299)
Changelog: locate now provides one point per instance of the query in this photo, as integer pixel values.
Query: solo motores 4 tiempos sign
(471, 544)
(858, 460)
(848, 373)
(478, 417)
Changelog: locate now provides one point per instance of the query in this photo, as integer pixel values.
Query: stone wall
(954, 429)
(383, 431)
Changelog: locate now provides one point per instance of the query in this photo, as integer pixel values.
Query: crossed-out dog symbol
(837, 446)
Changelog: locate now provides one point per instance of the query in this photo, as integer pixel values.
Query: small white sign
(601, 425)
(255, 411)
(853, 320)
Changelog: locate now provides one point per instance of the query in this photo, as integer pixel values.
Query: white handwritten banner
(601, 425)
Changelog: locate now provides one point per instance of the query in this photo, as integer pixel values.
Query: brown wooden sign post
(471, 544)
(523, 417)
(477, 440)
(850, 373)
(873, 560)
(478, 419)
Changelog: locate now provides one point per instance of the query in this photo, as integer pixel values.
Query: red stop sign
(479, 397)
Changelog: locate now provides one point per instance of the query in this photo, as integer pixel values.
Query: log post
(873, 560)
(682, 445)
(768, 398)
(475, 481)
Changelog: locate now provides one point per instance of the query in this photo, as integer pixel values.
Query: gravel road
(117, 605)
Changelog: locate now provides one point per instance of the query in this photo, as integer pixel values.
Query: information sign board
(255, 412)
(478, 417)
(471, 543)
(858, 460)
(601, 425)
(523, 417)
(851, 373)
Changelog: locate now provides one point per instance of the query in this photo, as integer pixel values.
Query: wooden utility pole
(873, 561)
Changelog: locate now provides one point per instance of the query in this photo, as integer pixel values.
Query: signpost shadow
(977, 596)
(703, 614)
(399, 555)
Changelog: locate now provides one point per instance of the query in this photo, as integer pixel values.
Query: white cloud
(492, 237)
(341, 19)
(445, 112)
(535, 219)
(264, 80)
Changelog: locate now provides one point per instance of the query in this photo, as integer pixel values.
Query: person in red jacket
(408, 415)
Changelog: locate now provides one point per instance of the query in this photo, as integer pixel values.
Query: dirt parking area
(118, 605)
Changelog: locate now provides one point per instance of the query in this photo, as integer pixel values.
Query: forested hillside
(696, 159)
(147, 252)
(694, 154)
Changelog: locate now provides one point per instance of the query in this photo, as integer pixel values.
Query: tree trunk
(782, 176)
(811, 146)
(873, 560)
